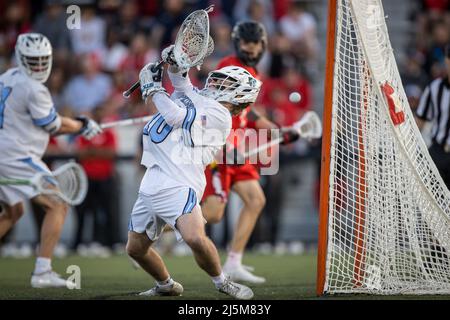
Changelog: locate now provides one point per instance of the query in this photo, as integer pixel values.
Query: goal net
(385, 211)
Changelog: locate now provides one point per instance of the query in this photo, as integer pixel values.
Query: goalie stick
(192, 44)
(127, 122)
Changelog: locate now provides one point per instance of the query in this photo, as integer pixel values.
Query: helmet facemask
(38, 68)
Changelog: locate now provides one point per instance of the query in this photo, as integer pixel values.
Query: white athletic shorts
(160, 206)
(25, 168)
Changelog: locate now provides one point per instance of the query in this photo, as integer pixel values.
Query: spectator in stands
(413, 73)
(89, 89)
(171, 17)
(221, 33)
(128, 23)
(115, 52)
(256, 10)
(299, 27)
(52, 24)
(91, 37)
(139, 54)
(56, 84)
(434, 63)
(97, 158)
(14, 21)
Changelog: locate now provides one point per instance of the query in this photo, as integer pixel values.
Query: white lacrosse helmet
(34, 55)
(232, 84)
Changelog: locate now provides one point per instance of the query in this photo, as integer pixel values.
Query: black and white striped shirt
(434, 106)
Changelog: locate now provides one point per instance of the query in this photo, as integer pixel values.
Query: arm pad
(53, 126)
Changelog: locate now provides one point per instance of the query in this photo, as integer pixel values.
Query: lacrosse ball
(295, 97)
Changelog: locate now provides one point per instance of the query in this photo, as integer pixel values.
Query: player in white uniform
(27, 119)
(185, 134)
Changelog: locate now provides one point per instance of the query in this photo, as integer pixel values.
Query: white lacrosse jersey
(183, 152)
(25, 108)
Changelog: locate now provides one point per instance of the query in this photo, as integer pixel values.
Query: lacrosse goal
(385, 211)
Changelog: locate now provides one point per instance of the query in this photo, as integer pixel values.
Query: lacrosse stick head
(68, 182)
(208, 52)
(192, 42)
(309, 126)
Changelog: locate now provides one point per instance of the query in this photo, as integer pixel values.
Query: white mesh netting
(193, 42)
(389, 210)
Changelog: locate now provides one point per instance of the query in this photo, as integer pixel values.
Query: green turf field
(288, 277)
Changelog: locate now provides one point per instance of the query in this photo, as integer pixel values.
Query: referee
(434, 106)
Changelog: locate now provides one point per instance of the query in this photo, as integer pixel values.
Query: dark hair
(447, 50)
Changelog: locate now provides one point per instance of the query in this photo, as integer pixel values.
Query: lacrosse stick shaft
(127, 122)
(127, 94)
(273, 142)
(14, 182)
(263, 147)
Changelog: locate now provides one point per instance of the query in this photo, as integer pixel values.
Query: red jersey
(98, 168)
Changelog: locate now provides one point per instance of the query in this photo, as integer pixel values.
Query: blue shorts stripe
(36, 167)
(130, 225)
(190, 202)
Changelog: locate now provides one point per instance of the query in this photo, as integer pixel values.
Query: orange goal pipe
(326, 146)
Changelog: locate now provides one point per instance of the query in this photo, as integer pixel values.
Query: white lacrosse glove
(151, 80)
(168, 57)
(90, 128)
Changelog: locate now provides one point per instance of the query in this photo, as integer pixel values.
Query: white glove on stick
(90, 128)
(150, 78)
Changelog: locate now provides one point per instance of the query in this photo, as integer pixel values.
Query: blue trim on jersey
(36, 167)
(130, 225)
(4, 94)
(146, 130)
(159, 130)
(191, 202)
(42, 122)
(189, 119)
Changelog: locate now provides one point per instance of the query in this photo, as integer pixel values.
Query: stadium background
(93, 65)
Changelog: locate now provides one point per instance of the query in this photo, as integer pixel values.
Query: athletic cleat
(50, 279)
(175, 289)
(236, 290)
(240, 273)
(248, 268)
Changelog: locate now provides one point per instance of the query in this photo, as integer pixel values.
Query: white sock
(234, 259)
(42, 265)
(219, 280)
(165, 283)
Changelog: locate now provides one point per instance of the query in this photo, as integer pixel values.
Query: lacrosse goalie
(185, 134)
(27, 119)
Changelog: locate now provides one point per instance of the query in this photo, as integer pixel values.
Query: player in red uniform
(250, 41)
